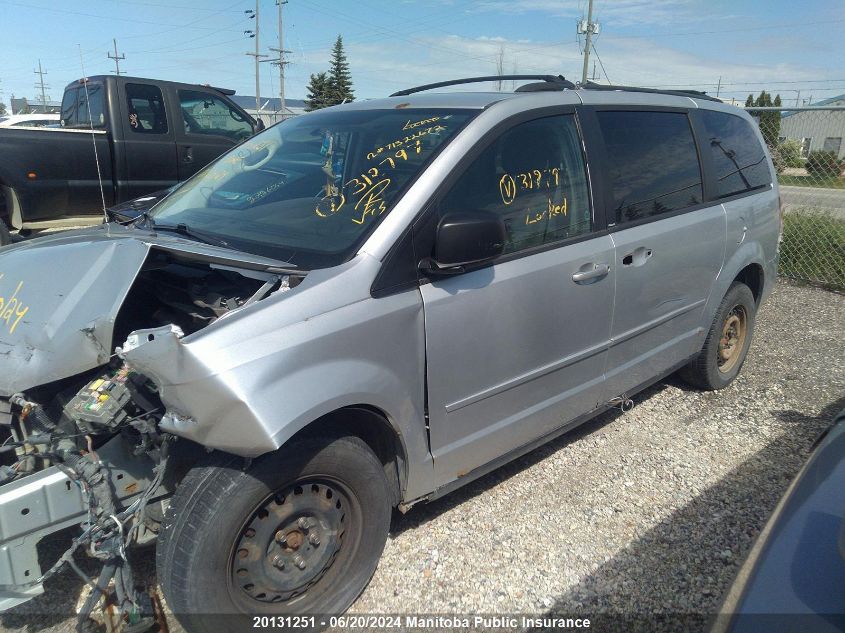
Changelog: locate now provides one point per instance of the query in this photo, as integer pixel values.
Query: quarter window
(652, 163)
(533, 176)
(146, 109)
(736, 152)
(203, 113)
(84, 107)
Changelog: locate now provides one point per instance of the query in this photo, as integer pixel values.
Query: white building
(270, 107)
(817, 129)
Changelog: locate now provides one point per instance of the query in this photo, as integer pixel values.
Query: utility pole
(117, 58)
(257, 57)
(719, 86)
(281, 62)
(589, 28)
(41, 85)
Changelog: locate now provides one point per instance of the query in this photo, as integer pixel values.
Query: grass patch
(813, 249)
(826, 182)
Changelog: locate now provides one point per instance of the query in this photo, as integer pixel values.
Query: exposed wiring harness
(106, 533)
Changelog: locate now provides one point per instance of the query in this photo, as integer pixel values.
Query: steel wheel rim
(732, 339)
(292, 540)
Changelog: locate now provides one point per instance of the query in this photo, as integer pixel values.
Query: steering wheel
(271, 146)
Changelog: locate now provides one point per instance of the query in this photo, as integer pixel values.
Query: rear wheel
(727, 342)
(299, 532)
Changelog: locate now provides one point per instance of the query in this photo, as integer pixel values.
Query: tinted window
(203, 113)
(91, 106)
(69, 108)
(652, 161)
(736, 153)
(146, 109)
(533, 177)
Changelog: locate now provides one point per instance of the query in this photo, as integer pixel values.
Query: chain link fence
(808, 148)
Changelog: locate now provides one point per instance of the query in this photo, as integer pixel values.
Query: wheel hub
(732, 340)
(290, 541)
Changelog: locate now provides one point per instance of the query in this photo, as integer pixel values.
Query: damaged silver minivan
(359, 309)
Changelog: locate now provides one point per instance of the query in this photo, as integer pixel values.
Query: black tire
(710, 370)
(212, 558)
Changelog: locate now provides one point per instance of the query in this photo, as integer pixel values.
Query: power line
(116, 58)
(601, 64)
(41, 84)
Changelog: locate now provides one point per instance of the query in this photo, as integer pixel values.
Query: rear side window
(84, 107)
(533, 176)
(146, 109)
(736, 152)
(652, 163)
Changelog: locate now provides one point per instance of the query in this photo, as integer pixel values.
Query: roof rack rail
(589, 85)
(553, 79)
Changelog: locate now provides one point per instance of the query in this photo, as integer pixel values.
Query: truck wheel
(5, 237)
(727, 342)
(298, 532)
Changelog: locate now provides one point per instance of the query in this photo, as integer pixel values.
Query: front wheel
(299, 532)
(727, 342)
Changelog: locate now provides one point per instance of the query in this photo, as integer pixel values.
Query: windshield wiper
(184, 229)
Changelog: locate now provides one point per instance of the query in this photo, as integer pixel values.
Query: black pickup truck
(133, 135)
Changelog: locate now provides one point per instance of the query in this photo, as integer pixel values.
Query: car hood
(60, 296)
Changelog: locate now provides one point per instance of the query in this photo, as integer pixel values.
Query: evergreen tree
(750, 101)
(340, 79)
(769, 121)
(318, 92)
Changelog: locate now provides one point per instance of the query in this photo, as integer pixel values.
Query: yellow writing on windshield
(12, 309)
(412, 141)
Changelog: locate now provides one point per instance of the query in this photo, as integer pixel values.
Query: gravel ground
(646, 512)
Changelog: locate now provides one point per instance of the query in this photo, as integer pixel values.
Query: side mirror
(464, 238)
(259, 125)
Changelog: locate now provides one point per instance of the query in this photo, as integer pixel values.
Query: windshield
(310, 189)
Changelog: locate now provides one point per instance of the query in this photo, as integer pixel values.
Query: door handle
(188, 154)
(637, 257)
(597, 271)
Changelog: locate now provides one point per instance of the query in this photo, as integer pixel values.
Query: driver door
(207, 127)
(517, 349)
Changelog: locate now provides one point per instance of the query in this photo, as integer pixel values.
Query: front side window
(146, 109)
(652, 163)
(203, 113)
(532, 176)
(310, 189)
(736, 152)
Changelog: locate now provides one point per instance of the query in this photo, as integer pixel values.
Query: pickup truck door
(208, 126)
(516, 350)
(147, 143)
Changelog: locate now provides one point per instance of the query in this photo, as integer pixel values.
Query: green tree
(2, 108)
(318, 92)
(340, 79)
(750, 101)
(769, 120)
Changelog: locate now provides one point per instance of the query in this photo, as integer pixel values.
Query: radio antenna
(93, 135)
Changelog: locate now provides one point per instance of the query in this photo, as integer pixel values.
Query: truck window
(653, 164)
(204, 113)
(736, 152)
(78, 102)
(146, 109)
(533, 176)
(69, 108)
(91, 108)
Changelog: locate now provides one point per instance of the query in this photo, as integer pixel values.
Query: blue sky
(782, 46)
